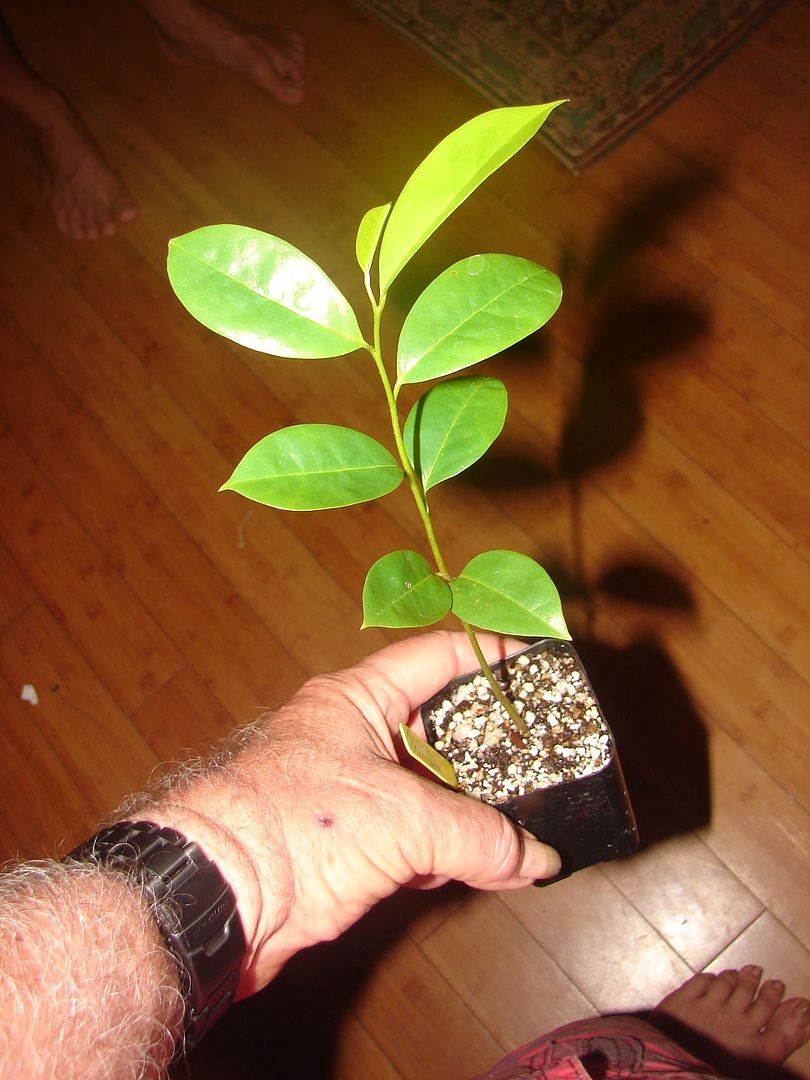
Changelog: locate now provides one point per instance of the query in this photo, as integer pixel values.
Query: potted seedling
(526, 735)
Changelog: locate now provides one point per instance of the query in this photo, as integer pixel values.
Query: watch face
(194, 908)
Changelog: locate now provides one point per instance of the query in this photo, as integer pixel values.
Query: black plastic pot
(587, 820)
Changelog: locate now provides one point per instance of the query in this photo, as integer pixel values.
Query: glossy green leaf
(402, 590)
(473, 310)
(261, 292)
(453, 425)
(315, 467)
(449, 174)
(508, 593)
(368, 235)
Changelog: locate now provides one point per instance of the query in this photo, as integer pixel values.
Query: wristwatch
(193, 905)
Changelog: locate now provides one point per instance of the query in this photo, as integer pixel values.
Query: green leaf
(315, 467)
(453, 425)
(368, 235)
(508, 593)
(261, 292)
(474, 309)
(449, 174)
(402, 590)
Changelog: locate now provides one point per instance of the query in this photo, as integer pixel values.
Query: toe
(787, 1030)
(284, 80)
(290, 93)
(751, 971)
(287, 52)
(124, 209)
(698, 985)
(767, 1001)
(745, 990)
(89, 229)
(72, 222)
(722, 987)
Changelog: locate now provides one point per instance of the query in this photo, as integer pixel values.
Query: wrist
(191, 904)
(250, 855)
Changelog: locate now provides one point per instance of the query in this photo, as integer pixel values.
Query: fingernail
(539, 860)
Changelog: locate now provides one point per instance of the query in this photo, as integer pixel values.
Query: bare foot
(273, 58)
(730, 1020)
(85, 196)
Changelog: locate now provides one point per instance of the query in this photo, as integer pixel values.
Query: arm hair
(87, 986)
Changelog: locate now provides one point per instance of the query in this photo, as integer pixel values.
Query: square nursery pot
(565, 785)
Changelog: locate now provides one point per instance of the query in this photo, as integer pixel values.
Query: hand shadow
(293, 1028)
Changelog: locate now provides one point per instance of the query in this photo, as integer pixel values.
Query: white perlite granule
(569, 737)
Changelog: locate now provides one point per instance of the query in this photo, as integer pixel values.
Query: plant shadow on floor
(632, 322)
(661, 740)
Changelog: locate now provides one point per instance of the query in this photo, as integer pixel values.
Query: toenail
(801, 1009)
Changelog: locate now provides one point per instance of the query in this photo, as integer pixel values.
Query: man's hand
(313, 820)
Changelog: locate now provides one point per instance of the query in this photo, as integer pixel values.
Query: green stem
(506, 704)
(418, 493)
(413, 480)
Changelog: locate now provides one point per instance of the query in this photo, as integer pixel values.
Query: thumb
(476, 844)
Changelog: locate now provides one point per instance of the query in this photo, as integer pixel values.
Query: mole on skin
(326, 821)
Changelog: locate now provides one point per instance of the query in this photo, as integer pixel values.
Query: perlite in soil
(568, 739)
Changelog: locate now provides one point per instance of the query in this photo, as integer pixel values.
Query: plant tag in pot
(431, 759)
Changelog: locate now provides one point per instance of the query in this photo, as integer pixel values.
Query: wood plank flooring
(655, 459)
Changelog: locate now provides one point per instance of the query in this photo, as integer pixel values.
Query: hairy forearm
(307, 817)
(87, 986)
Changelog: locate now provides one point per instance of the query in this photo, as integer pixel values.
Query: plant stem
(418, 493)
(413, 480)
(506, 704)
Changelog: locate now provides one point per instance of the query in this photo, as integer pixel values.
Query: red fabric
(610, 1048)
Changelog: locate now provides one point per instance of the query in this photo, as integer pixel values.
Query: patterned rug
(618, 61)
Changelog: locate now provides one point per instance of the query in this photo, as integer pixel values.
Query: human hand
(313, 820)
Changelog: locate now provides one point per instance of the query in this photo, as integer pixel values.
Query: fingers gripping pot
(565, 783)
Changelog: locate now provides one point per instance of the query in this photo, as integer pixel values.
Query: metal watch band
(194, 907)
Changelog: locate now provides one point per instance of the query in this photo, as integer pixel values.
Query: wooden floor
(656, 458)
